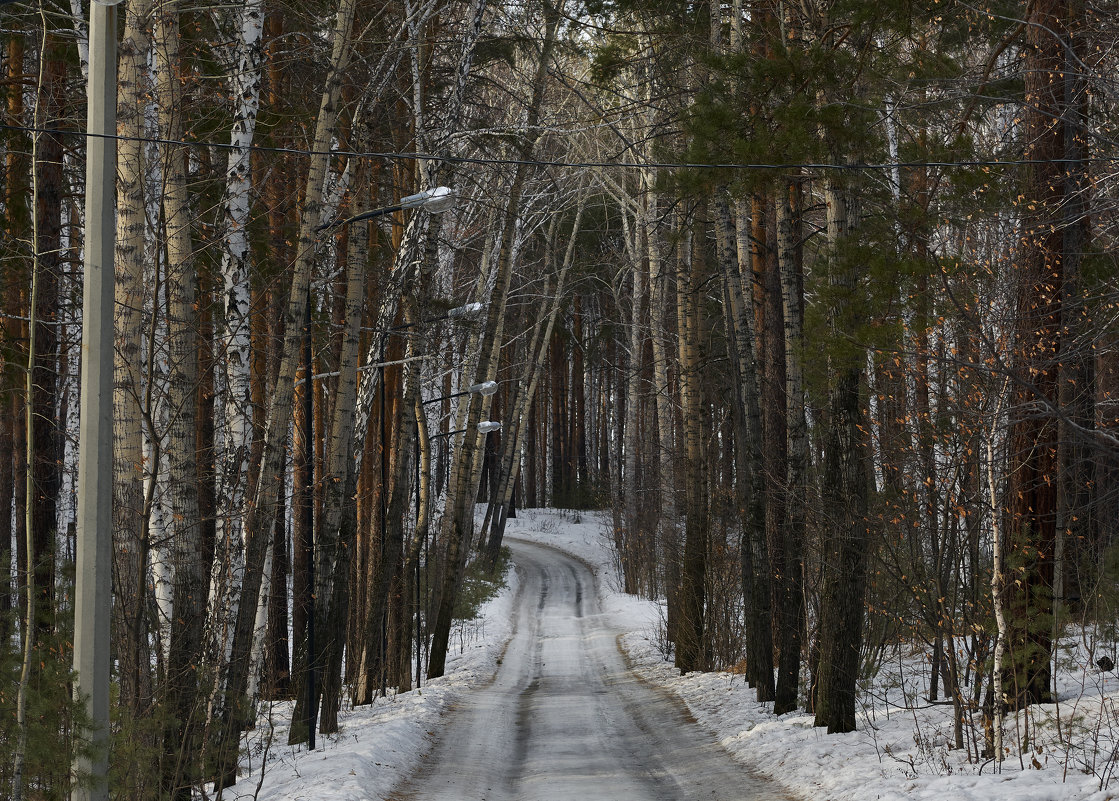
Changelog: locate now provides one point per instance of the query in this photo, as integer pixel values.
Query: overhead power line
(656, 165)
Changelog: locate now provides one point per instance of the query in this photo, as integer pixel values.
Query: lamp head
(486, 426)
(436, 200)
(470, 310)
(486, 388)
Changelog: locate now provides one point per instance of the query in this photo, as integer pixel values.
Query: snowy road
(564, 720)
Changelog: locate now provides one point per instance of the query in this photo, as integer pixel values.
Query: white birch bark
(244, 87)
(260, 625)
(491, 373)
(260, 513)
(790, 615)
(157, 512)
(453, 107)
(998, 582)
(81, 35)
(690, 631)
(411, 247)
(162, 563)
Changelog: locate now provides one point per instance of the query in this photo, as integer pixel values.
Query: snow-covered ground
(899, 752)
(377, 745)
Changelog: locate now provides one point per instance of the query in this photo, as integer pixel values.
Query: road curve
(565, 720)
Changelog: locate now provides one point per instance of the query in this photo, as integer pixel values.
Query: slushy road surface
(565, 720)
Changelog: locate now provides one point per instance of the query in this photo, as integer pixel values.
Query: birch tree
(190, 570)
(130, 574)
(260, 513)
(234, 341)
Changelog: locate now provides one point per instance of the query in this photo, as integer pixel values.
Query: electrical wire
(657, 165)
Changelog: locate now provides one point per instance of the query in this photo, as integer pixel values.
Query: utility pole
(93, 590)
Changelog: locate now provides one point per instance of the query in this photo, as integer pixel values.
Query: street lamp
(466, 312)
(484, 427)
(436, 200)
(470, 310)
(486, 388)
(93, 588)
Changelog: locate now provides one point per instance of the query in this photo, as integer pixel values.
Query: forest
(816, 300)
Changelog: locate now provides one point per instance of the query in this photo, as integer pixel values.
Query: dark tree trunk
(558, 386)
(746, 418)
(775, 453)
(395, 477)
(1034, 438)
(19, 451)
(530, 456)
(7, 439)
(790, 589)
(578, 404)
(1078, 519)
(845, 555)
(45, 431)
(846, 541)
(15, 223)
(277, 667)
(691, 629)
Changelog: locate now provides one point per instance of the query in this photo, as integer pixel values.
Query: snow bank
(899, 752)
(381, 744)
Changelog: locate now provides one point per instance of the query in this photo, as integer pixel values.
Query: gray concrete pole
(93, 591)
